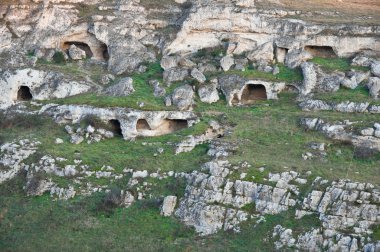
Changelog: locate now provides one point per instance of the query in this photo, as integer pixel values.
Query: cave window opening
(24, 94)
(115, 127)
(321, 51)
(252, 93)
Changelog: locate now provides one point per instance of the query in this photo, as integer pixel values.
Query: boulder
(175, 74)
(375, 68)
(183, 97)
(168, 62)
(158, 91)
(168, 205)
(227, 62)
(374, 87)
(123, 88)
(310, 78)
(209, 93)
(76, 53)
(198, 75)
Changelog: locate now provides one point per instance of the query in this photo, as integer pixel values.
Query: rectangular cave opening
(321, 51)
(252, 93)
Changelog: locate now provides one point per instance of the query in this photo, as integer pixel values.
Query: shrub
(59, 58)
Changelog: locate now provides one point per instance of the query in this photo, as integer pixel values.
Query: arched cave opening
(24, 94)
(252, 93)
(321, 51)
(85, 47)
(142, 125)
(115, 127)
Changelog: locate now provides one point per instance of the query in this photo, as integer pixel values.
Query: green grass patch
(339, 64)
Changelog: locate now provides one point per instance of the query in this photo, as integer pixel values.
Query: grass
(143, 93)
(360, 94)
(286, 74)
(267, 133)
(336, 64)
(38, 223)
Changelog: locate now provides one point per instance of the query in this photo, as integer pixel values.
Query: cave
(24, 94)
(252, 93)
(142, 125)
(115, 127)
(172, 125)
(85, 47)
(166, 126)
(105, 53)
(280, 54)
(321, 51)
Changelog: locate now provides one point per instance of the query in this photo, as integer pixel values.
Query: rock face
(123, 88)
(28, 84)
(127, 122)
(340, 131)
(12, 155)
(168, 205)
(209, 24)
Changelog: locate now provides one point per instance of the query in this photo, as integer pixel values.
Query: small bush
(59, 58)
(364, 153)
(110, 202)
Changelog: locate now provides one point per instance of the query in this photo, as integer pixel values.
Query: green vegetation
(359, 94)
(268, 135)
(286, 74)
(143, 93)
(35, 223)
(339, 64)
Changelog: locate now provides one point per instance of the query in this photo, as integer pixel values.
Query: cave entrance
(142, 125)
(321, 51)
(252, 93)
(24, 94)
(176, 124)
(281, 53)
(85, 47)
(105, 53)
(115, 127)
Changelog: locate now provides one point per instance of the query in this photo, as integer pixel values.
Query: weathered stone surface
(175, 74)
(42, 85)
(209, 93)
(227, 62)
(374, 87)
(183, 97)
(198, 75)
(123, 88)
(76, 53)
(168, 205)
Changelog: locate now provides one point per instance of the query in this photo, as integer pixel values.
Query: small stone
(367, 132)
(58, 141)
(168, 205)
